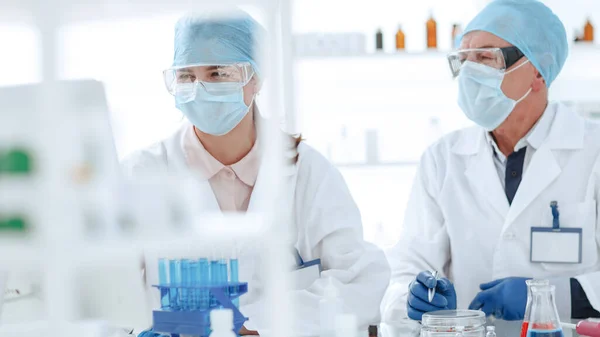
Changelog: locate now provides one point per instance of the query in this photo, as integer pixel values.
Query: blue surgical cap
(530, 26)
(218, 39)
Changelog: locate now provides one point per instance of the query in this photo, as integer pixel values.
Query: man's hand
(505, 298)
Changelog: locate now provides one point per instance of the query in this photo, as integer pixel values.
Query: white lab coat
(327, 225)
(459, 222)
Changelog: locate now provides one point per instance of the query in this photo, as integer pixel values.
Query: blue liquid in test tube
(163, 281)
(224, 274)
(175, 280)
(233, 266)
(186, 281)
(204, 280)
(194, 294)
(215, 279)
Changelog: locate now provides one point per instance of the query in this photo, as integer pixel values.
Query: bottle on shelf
(456, 33)
(588, 31)
(400, 39)
(578, 36)
(379, 40)
(431, 32)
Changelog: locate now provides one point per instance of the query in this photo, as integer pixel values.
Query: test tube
(163, 281)
(195, 282)
(174, 281)
(234, 277)
(215, 277)
(204, 281)
(186, 280)
(224, 274)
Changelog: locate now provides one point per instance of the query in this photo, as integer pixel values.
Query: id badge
(556, 245)
(306, 274)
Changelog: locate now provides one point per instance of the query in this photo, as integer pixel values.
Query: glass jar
(453, 323)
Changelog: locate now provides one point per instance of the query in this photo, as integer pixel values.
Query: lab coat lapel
(542, 171)
(265, 183)
(483, 176)
(566, 133)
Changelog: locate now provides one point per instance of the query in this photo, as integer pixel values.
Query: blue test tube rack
(196, 321)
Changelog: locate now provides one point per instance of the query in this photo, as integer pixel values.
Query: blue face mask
(215, 114)
(480, 95)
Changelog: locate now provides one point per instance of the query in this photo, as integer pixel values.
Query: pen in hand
(431, 292)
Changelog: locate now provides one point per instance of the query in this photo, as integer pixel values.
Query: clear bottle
(588, 31)
(330, 307)
(431, 32)
(400, 39)
(544, 320)
(453, 323)
(346, 325)
(491, 331)
(221, 323)
(530, 283)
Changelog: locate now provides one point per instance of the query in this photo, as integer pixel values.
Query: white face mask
(480, 94)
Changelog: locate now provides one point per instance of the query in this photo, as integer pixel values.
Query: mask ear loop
(515, 68)
(528, 91)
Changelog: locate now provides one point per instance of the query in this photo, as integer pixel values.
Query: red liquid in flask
(524, 329)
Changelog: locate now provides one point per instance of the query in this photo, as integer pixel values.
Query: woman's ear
(257, 85)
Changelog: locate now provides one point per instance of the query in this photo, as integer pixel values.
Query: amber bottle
(431, 32)
(400, 39)
(588, 32)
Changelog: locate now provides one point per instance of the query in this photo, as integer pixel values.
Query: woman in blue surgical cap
(513, 198)
(215, 79)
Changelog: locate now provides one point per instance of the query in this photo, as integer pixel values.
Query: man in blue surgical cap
(515, 197)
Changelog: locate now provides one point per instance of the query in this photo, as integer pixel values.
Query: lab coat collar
(209, 166)
(534, 137)
(558, 128)
(565, 132)
(568, 129)
(196, 156)
(470, 141)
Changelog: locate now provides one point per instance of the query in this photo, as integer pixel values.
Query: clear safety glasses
(498, 58)
(216, 79)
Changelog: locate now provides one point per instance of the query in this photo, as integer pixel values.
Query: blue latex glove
(505, 298)
(150, 333)
(418, 301)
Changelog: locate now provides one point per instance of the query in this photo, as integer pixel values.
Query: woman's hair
(295, 141)
(292, 141)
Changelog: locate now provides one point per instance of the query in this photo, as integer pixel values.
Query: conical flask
(530, 283)
(543, 321)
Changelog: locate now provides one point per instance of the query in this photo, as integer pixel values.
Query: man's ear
(539, 82)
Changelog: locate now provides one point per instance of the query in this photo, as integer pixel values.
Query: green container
(13, 224)
(16, 161)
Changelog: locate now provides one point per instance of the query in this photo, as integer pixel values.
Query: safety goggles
(498, 58)
(216, 79)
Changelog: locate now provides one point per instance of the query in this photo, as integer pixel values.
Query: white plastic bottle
(346, 326)
(330, 307)
(221, 323)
